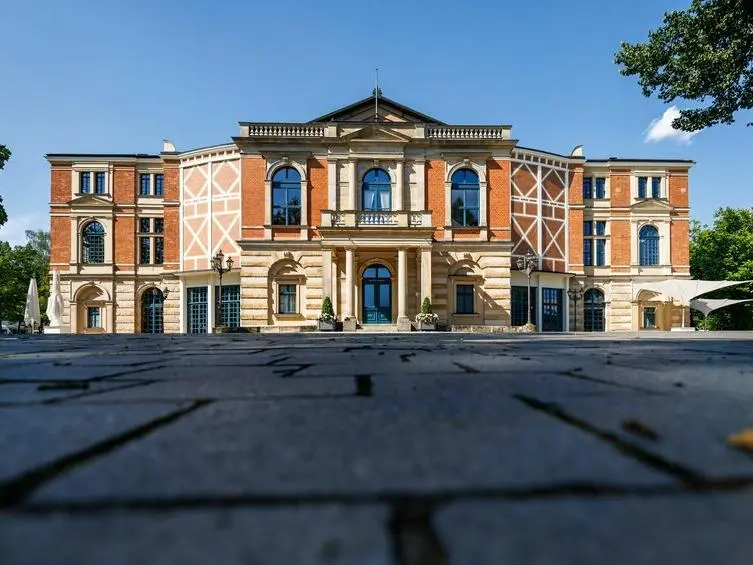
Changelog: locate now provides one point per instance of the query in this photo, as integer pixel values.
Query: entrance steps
(377, 328)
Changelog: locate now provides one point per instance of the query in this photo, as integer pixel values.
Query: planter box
(327, 326)
(426, 326)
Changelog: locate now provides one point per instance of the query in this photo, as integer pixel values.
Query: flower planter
(327, 326)
(427, 326)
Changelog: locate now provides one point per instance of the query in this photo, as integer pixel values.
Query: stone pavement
(410, 449)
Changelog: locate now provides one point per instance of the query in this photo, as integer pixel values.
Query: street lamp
(218, 265)
(575, 293)
(528, 263)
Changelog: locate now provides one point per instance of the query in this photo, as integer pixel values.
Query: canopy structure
(683, 290)
(707, 305)
(31, 313)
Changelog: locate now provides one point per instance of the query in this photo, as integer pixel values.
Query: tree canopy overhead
(703, 54)
(4, 156)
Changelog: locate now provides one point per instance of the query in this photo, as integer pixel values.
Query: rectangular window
(464, 299)
(159, 184)
(159, 225)
(518, 314)
(84, 183)
(649, 317)
(600, 190)
(587, 248)
(551, 309)
(92, 317)
(145, 185)
(587, 188)
(655, 187)
(642, 182)
(601, 252)
(145, 248)
(588, 228)
(144, 225)
(99, 182)
(197, 310)
(159, 250)
(601, 228)
(288, 303)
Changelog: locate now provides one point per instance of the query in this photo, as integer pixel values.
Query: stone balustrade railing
(376, 219)
(468, 132)
(285, 130)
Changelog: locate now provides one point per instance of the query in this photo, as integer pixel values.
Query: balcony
(376, 219)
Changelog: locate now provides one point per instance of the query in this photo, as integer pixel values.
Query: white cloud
(14, 229)
(661, 128)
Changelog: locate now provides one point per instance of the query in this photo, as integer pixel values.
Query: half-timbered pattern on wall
(376, 206)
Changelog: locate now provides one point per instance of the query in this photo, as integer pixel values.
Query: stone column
(403, 323)
(399, 187)
(349, 320)
(426, 274)
(352, 185)
(327, 273)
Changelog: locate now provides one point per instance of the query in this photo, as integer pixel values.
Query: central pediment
(379, 109)
(376, 133)
(651, 205)
(90, 200)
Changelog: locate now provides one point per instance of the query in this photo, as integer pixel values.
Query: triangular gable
(90, 200)
(379, 133)
(651, 204)
(388, 111)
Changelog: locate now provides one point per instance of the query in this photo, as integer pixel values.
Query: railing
(285, 130)
(376, 219)
(468, 132)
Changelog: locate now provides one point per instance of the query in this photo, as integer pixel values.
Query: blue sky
(111, 77)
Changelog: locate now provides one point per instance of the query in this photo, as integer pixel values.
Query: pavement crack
(466, 368)
(688, 476)
(414, 538)
(18, 489)
(574, 374)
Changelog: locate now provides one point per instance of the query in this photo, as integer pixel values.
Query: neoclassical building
(377, 206)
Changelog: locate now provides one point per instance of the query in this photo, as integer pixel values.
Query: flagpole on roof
(376, 95)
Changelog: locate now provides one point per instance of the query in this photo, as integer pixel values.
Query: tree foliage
(18, 265)
(4, 156)
(704, 54)
(724, 251)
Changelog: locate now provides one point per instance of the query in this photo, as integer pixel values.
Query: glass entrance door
(377, 295)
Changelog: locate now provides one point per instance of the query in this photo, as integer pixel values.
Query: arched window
(286, 197)
(93, 243)
(152, 302)
(465, 198)
(593, 310)
(376, 190)
(648, 245)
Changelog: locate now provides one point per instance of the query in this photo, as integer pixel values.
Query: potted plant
(426, 320)
(327, 319)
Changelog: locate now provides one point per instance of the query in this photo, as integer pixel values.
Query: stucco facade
(377, 206)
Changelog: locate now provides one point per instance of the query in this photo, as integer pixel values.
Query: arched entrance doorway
(593, 310)
(152, 302)
(377, 295)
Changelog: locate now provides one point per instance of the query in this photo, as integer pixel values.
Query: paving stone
(36, 435)
(687, 529)
(329, 535)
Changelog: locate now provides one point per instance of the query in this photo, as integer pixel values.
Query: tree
(18, 265)
(705, 54)
(724, 251)
(4, 156)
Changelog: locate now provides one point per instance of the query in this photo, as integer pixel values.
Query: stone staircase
(377, 328)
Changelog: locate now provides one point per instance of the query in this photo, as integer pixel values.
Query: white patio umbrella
(708, 305)
(31, 313)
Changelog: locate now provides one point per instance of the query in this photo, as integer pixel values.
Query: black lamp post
(528, 263)
(575, 293)
(218, 265)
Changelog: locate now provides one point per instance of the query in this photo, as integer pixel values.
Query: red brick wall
(172, 180)
(124, 184)
(619, 180)
(125, 242)
(318, 190)
(435, 195)
(252, 197)
(498, 199)
(678, 189)
(172, 215)
(60, 184)
(620, 244)
(680, 245)
(575, 217)
(60, 242)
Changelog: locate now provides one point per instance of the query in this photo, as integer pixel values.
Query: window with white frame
(649, 187)
(287, 294)
(92, 182)
(594, 243)
(93, 317)
(464, 298)
(151, 184)
(594, 188)
(151, 241)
